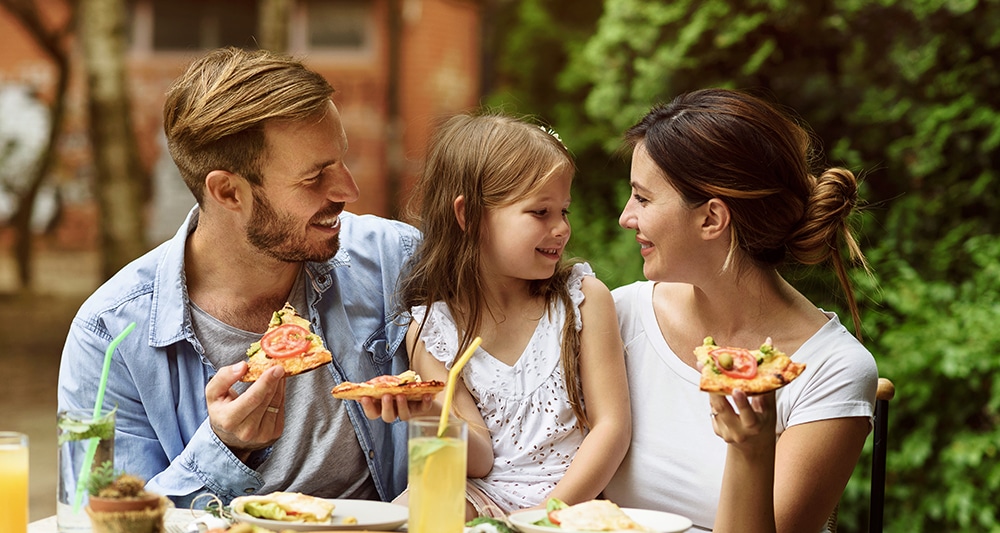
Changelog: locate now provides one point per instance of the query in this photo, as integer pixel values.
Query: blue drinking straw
(92, 443)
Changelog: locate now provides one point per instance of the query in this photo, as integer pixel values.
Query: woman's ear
(227, 189)
(459, 206)
(715, 219)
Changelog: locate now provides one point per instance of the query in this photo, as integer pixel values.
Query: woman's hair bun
(825, 220)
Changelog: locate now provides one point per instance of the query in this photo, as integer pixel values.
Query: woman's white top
(675, 461)
(525, 406)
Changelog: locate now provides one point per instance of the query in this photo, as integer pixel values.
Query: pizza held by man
(724, 369)
(288, 342)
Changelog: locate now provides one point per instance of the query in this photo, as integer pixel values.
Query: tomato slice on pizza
(724, 369)
(408, 383)
(288, 342)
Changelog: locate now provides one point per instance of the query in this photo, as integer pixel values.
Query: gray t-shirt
(318, 453)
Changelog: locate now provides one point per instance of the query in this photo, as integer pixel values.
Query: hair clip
(551, 132)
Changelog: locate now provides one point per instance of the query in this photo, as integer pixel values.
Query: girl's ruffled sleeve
(575, 284)
(439, 334)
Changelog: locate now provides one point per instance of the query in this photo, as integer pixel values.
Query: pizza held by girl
(545, 395)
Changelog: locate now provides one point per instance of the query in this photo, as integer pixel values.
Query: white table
(175, 517)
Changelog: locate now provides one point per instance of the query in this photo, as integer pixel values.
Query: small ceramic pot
(115, 505)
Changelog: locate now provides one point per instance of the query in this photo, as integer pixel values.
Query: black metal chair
(886, 391)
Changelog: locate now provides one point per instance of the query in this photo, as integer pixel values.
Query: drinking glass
(75, 429)
(437, 475)
(13, 482)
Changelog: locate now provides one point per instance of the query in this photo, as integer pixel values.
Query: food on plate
(408, 383)
(285, 507)
(593, 515)
(241, 527)
(485, 524)
(752, 371)
(288, 342)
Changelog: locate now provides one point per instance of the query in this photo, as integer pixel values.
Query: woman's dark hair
(730, 145)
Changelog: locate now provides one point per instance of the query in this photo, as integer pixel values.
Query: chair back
(886, 391)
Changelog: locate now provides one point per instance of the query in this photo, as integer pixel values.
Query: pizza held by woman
(724, 369)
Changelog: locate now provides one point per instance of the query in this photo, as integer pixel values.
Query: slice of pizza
(408, 383)
(593, 515)
(752, 371)
(288, 342)
(285, 507)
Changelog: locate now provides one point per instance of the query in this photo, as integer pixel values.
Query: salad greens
(498, 526)
(554, 504)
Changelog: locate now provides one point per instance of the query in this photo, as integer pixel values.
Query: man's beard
(274, 234)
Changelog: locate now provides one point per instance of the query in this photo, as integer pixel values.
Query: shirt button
(322, 279)
(249, 490)
(371, 454)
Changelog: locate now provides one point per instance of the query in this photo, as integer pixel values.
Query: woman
(722, 195)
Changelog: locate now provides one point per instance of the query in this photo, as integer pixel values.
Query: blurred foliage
(906, 94)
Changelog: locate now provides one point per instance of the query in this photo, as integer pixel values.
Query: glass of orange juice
(13, 482)
(437, 475)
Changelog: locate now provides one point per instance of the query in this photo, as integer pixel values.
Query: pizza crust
(314, 357)
(775, 371)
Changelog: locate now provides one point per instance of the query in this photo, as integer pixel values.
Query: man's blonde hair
(215, 112)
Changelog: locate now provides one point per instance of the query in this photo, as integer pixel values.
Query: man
(260, 144)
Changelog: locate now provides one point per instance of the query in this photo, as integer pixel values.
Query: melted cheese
(596, 515)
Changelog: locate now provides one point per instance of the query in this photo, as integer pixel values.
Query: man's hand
(249, 421)
(396, 406)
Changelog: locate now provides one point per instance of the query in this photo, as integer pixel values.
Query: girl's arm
(808, 468)
(480, 455)
(605, 392)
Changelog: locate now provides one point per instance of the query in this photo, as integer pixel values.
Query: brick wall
(439, 75)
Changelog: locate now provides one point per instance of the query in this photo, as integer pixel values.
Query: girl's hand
(752, 425)
(396, 406)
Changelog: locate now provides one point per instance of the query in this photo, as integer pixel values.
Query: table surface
(175, 520)
(174, 517)
(178, 518)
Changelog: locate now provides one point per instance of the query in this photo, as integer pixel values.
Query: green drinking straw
(92, 443)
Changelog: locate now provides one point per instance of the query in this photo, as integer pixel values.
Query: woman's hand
(751, 426)
(746, 502)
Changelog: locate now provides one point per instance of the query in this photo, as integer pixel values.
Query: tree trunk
(119, 175)
(273, 18)
(53, 42)
(395, 158)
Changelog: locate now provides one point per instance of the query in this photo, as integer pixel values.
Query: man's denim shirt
(158, 373)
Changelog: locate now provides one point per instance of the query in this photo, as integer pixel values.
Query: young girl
(493, 209)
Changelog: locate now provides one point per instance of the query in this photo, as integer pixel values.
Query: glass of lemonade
(75, 428)
(437, 475)
(13, 482)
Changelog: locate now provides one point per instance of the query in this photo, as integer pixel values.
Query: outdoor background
(905, 93)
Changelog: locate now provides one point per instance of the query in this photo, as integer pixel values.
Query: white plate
(656, 521)
(371, 515)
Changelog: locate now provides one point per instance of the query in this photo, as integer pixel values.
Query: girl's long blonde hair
(492, 161)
